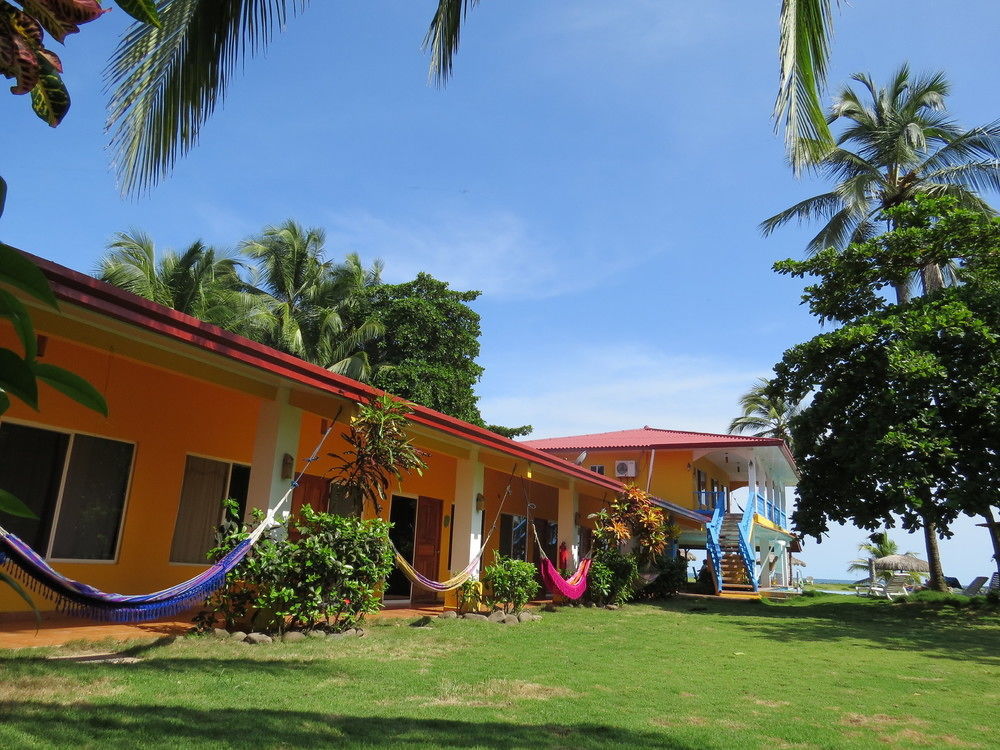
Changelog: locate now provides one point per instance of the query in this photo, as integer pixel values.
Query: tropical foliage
(904, 418)
(897, 141)
(765, 413)
(512, 583)
(329, 572)
(25, 57)
(631, 514)
(167, 80)
(379, 451)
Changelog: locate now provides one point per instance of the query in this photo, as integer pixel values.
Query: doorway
(416, 533)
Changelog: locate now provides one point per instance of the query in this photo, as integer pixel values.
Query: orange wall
(167, 416)
(522, 491)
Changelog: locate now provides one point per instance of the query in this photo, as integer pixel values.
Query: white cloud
(496, 252)
(596, 390)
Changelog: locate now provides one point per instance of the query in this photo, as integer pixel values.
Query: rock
(293, 635)
(239, 635)
(526, 617)
(511, 620)
(448, 615)
(259, 638)
(497, 616)
(220, 632)
(549, 608)
(612, 606)
(474, 616)
(348, 632)
(336, 636)
(590, 605)
(316, 634)
(360, 632)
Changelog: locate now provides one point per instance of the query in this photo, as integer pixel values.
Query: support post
(569, 507)
(467, 538)
(278, 430)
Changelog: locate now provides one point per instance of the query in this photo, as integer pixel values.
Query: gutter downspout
(649, 474)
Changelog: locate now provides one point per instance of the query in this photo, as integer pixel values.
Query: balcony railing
(708, 501)
(771, 511)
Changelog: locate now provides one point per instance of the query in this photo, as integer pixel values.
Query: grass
(819, 672)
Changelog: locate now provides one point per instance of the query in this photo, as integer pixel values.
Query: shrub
(940, 598)
(993, 598)
(513, 583)
(671, 578)
(615, 579)
(332, 572)
(470, 596)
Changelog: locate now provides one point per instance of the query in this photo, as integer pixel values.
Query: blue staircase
(728, 545)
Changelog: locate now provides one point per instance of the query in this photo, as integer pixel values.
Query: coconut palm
(167, 80)
(201, 281)
(897, 142)
(878, 545)
(764, 414)
(310, 298)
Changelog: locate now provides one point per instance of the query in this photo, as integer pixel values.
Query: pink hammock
(572, 587)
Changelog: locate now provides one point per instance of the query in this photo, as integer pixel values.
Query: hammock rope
(80, 600)
(429, 584)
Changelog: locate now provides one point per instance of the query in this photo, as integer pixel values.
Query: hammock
(429, 584)
(572, 587)
(80, 600)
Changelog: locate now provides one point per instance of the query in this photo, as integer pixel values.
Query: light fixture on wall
(727, 458)
(41, 342)
(287, 464)
(480, 502)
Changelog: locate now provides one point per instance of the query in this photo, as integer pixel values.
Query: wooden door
(427, 546)
(312, 491)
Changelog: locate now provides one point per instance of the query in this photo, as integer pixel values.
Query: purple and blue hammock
(80, 600)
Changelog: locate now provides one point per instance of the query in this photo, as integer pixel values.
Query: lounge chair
(898, 585)
(994, 583)
(973, 588)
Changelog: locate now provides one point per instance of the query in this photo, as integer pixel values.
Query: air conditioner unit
(624, 468)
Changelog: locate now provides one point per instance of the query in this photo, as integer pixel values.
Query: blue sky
(597, 169)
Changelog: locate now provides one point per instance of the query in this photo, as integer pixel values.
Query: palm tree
(764, 414)
(167, 80)
(201, 281)
(898, 142)
(878, 545)
(310, 298)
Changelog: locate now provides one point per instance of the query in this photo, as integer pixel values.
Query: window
(206, 484)
(513, 536)
(75, 484)
(597, 468)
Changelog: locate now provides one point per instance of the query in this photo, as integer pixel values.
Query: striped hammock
(78, 599)
(418, 579)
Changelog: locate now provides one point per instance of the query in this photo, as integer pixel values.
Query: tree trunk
(902, 293)
(994, 528)
(931, 278)
(936, 581)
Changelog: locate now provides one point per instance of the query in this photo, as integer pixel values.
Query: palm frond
(805, 30)
(167, 81)
(443, 37)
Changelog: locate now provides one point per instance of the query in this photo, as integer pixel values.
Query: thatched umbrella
(904, 563)
(797, 561)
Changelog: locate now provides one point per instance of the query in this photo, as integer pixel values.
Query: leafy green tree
(904, 419)
(898, 141)
(765, 413)
(311, 299)
(429, 348)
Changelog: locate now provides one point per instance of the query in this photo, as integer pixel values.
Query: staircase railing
(713, 544)
(745, 528)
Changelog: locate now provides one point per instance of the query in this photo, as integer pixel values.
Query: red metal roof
(91, 294)
(647, 437)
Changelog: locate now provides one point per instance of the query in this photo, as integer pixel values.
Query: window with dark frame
(75, 484)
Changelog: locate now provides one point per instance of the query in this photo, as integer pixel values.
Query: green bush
(613, 577)
(512, 583)
(993, 598)
(940, 598)
(671, 578)
(331, 570)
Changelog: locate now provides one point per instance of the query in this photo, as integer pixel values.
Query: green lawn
(833, 671)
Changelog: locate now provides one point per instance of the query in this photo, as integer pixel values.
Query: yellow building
(747, 540)
(130, 502)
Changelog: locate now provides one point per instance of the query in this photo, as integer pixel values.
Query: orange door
(427, 545)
